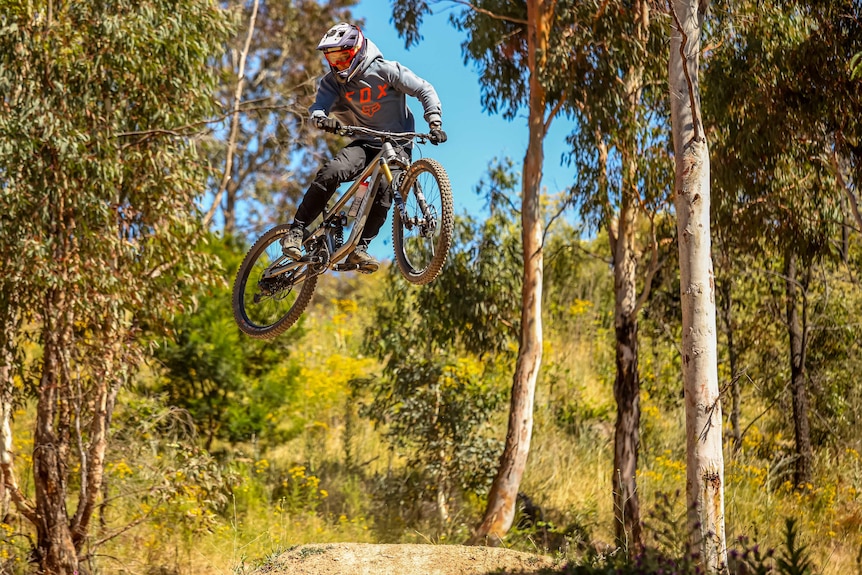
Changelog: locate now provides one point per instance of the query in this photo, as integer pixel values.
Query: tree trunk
(798, 385)
(55, 548)
(7, 472)
(6, 461)
(500, 511)
(626, 385)
(93, 461)
(704, 457)
(231, 196)
(7, 345)
(845, 185)
(725, 288)
(10, 494)
(627, 382)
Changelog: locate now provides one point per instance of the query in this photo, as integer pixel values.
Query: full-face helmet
(343, 45)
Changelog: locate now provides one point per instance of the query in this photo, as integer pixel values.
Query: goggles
(340, 58)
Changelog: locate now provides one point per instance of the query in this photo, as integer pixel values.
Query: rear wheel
(422, 242)
(266, 305)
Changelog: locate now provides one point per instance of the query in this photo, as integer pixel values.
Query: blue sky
(475, 137)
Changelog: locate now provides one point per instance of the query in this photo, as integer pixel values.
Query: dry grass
(568, 473)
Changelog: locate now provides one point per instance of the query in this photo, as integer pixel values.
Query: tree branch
(234, 122)
(694, 112)
(654, 266)
(490, 14)
(504, 197)
(851, 197)
(118, 532)
(24, 507)
(554, 112)
(182, 131)
(580, 248)
(565, 204)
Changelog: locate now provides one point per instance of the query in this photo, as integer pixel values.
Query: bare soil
(371, 559)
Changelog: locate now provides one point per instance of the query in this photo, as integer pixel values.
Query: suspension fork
(390, 155)
(387, 156)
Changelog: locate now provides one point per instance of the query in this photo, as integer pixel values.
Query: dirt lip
(412, 559)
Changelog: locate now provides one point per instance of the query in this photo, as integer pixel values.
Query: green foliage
(779, 198)
(233, 386)
(770, 80)
(794, 559)
(833, 355)
(447, 348)
(620, 142)
(157, 473)
(856, 65)
(97, 202)
(99, 229)
(476, 300)
(748, 558)
(437, 410)
(475, 303)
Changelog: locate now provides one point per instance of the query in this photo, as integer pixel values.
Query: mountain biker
(360, 89)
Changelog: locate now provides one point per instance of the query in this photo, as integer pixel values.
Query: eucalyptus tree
(616, 94)
(99, 223)
(262, 150)
(445, 348)
(825, 94)
(515, 47)
(783, 190)
(703, 420)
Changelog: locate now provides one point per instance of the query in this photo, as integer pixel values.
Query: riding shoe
(364, 262)
(291, 244)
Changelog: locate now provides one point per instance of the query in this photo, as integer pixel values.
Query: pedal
(351, 268)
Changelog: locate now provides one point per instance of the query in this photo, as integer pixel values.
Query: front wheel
(270, 291)
(422, 242)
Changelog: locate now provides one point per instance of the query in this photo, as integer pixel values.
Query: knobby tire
(248, 271)
(421, 259)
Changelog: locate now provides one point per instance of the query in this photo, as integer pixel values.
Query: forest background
(381, 415)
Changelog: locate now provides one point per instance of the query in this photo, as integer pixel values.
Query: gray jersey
(375, 96)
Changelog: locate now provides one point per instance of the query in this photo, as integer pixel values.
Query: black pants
(345, 166)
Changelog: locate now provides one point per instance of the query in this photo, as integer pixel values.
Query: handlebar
(353, 130)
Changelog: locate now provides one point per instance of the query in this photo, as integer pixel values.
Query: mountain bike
(272, 290)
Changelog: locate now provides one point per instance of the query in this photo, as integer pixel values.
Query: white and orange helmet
(343, 45)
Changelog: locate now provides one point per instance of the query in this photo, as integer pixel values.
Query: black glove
(328, 124)
(438, 136)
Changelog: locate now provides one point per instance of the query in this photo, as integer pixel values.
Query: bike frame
(378, 173)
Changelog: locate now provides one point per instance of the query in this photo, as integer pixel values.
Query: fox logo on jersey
(370, 103)
(370, 109)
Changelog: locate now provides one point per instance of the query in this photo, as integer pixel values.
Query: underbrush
(171, 508)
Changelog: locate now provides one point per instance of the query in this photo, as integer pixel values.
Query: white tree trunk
(6, 461)
(705, 460)
(8, 330)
